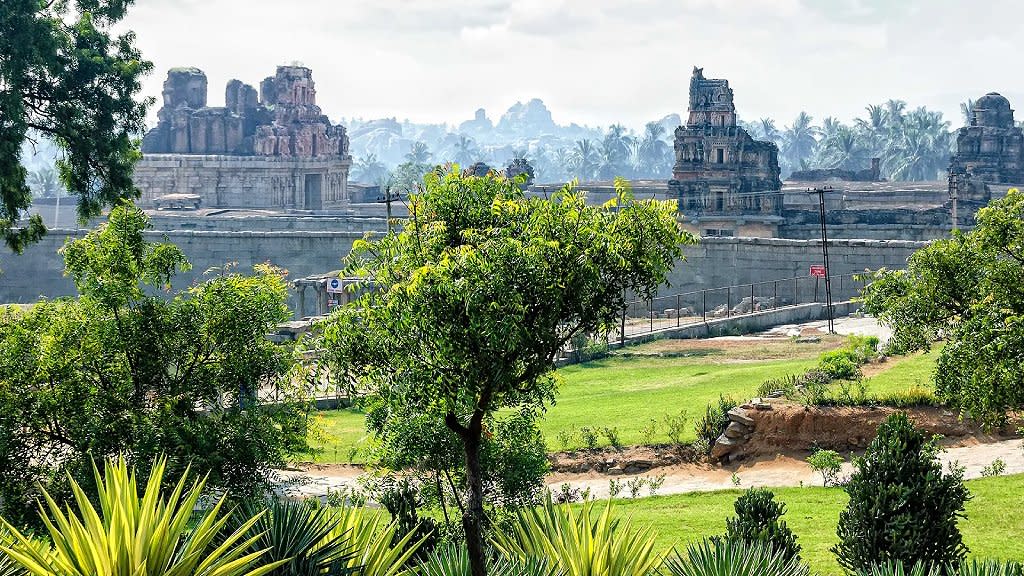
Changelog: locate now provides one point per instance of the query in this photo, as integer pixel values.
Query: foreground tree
(64, 77)
(121, 370)
(970, 290)
(902, 508)
(479, 292)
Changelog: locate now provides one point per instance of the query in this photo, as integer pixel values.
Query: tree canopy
(65, 78)
(479, 291)
(124, 370)
(968, 289)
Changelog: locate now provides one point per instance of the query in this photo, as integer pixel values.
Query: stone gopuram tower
(274, 150)
(988, 151)
(722, 176)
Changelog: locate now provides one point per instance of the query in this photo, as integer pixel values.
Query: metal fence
(677, 310)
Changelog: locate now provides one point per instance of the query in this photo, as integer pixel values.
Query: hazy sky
(597, 61)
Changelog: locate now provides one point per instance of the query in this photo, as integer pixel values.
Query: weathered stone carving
(283, 120)
(720, 168)
(988, 151)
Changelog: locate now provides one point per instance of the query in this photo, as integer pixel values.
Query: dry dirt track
(782, 470)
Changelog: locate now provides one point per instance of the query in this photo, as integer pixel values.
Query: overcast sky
(596, 61)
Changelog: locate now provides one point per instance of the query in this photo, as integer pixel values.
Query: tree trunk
(473, 514)
(473, 517)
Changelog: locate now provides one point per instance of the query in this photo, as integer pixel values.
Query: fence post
(728, 301)
(622, 328)
(650, 304)
(751, 297)
(704, 305)
(677, 310)
(775, 294)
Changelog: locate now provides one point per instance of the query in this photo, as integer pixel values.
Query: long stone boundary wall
(715, 262)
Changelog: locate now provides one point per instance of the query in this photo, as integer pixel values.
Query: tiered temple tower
(988, 151)
(720, 170)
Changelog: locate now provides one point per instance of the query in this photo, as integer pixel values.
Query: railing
(699, 306)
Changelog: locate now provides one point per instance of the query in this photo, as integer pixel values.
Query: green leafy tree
(758, 520)
(969, 289)
(902, 508)
(480, 290)
(121, 370)
(64, 77)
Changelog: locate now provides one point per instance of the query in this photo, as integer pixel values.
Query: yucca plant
(733, 558)
(579, 541)
(451, 561)
(133, 535)
(896, 568)
(376, 549)
(991, 568)
(301, 535)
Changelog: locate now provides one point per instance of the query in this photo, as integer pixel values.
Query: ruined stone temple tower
(988, 151)
(272, 150)
(722, 176)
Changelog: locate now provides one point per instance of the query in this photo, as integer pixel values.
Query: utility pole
(824, 253)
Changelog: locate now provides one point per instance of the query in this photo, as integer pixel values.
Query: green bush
(758, 521)
(729, 558)
(828, 463)
(714, 422)
(864, 348)
(841, 364)
(902, 507)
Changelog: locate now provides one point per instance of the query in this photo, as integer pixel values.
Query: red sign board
(818, 271)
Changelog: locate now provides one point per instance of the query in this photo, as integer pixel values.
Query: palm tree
(44, 182)
(613, 153)
(920, 148)
(418, 153)
(654, 151)
(967, 109)
(841, 149)
(466, 152)
(368, 169)
(799, 140)
(769, 132)
(584, 159)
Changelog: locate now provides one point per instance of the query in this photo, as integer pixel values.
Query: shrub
(589, 436)
(647, 432)
(614, 487)
(635, 485)
(840, 364)
(891, 568)
(828, 463)
(902, 507)
(996, 468)
(758, 521)
(675, 427)
(714, 422)
(864, 348)
(991, 568)
(730, 558)
(578, 540)
(454, 561)
(655, 484)
(786, 385)
(155, 532)
(612, 434)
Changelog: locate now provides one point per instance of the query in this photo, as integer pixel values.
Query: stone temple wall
(246, 181)
(714, 263)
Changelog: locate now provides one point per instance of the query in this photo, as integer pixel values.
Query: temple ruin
(274, 150)
(990, 151)
(721, 172)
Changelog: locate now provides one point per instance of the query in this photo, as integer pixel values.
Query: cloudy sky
(597, 61)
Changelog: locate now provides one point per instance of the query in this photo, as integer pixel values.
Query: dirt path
(782, 470)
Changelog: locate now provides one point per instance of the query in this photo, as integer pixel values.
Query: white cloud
(595, 61)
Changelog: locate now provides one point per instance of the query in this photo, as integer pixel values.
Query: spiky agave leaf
(722, 557)
(300, 534)
(133, 535)
(452, 561)
(378, 552)
(583, 542)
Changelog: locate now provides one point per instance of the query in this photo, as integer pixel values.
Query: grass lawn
(627, 393)
(990, 530)
(338, 433)
(903, 372)
(657, 379)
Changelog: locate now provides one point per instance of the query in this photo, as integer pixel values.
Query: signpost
(334, 285)
(818, 271)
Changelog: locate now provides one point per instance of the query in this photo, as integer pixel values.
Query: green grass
(338, 433)
(991, 529)
(906, 372)
(626, 393)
